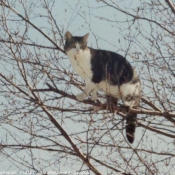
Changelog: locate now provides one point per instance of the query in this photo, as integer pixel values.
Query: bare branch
(34, 26)
(28, 44)
(171, 5)
(76, 149)
(40, 114)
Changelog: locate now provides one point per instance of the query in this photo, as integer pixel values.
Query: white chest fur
(81, 62)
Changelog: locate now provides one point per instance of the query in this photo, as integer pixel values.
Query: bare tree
(44, 128)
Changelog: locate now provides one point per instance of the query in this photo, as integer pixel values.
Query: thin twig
(29, 44)
(170, 5)
(34, 26)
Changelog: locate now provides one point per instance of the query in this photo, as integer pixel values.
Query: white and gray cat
(107, 71)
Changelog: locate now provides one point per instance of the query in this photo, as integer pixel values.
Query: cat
(107, 71)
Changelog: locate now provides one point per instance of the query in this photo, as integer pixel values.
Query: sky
(107, 30)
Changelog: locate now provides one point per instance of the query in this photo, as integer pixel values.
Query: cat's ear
(68, 35)
(85, 37)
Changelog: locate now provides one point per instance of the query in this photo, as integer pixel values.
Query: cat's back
(106, 56)
(111, 64)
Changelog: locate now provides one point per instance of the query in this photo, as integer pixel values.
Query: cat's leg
(96, 108)
(87, 90)
(94, 94)
(94, 97)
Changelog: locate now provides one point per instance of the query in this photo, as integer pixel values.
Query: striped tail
(131, 126)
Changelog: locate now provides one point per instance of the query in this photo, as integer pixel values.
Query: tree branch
(29, 44)
(155, 130)
(136, 17)
(167, 115)
(171, 5)
(34, 26)
(67, 137)
(58, 150)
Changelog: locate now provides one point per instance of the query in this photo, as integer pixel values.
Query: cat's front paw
(93, 97)
(96, 108)
(94, 94)
(80, 97)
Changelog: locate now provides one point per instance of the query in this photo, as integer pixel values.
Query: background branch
(170, 4)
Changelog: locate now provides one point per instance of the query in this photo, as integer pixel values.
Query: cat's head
(76, 44)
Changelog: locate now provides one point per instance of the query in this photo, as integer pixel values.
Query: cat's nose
(77, 51)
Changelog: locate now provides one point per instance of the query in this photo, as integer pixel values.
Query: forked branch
(34, 26)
